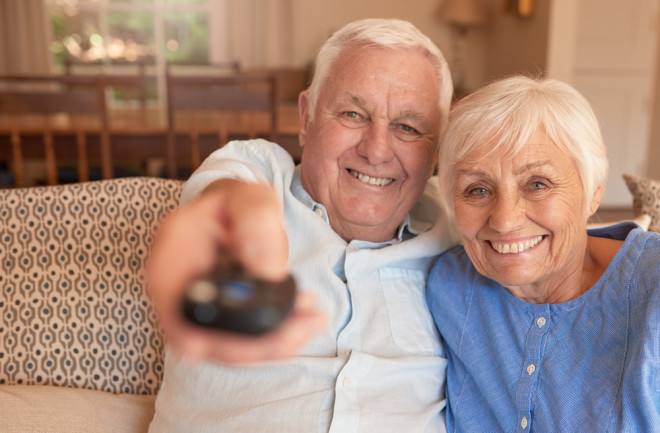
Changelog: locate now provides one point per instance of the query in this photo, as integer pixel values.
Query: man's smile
(378, 181)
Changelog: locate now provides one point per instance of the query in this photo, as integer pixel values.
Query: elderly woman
(548, 327)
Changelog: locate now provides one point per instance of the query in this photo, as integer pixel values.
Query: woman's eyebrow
(470, 173)
(532, 165)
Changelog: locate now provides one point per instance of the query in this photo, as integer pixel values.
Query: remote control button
(236, 292)
(205, 313)
(202, 291)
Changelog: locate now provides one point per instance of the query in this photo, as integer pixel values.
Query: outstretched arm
(243, 220)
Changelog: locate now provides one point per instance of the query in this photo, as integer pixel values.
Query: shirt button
(319, 211)
(523, 422)
(531, 368)
(346, 382)
(540, 322)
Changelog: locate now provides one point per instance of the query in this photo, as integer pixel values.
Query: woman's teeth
(516, 247)
(378, 181)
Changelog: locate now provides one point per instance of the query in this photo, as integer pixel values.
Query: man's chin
(373, 223)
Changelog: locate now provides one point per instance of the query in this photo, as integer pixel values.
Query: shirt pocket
(411, 324)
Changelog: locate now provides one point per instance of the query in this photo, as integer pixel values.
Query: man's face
(371, 147)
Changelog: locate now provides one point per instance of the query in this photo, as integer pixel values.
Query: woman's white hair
(384, 33)
(506, 113)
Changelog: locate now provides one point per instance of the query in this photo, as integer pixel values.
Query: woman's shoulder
(637, 264)
(648, 245)
(644, 246)
(453, 257)
(452, 269)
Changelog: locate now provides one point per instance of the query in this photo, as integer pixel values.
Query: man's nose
(376, 143)
(508, 213)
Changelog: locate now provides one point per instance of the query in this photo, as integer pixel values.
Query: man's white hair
(384, 33)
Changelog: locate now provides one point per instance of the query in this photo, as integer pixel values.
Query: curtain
(261, 32)
(24, 42)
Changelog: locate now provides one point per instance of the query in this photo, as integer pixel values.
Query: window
(118, 36)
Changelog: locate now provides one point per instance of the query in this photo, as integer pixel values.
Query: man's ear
(303, 116)
(595, 200)
(436, 156)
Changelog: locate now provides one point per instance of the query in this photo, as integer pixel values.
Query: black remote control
(231, 300)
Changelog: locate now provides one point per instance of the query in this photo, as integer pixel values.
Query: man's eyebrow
(411, 114)
(356, 99)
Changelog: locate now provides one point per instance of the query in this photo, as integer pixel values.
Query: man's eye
(408, 129)
(406, 132)
(352, 119)
(351, 115)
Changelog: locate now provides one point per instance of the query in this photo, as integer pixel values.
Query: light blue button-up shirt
(377, 367)
(591, 364)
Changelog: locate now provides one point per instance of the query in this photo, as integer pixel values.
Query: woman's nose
(376, 144)
(507, 213)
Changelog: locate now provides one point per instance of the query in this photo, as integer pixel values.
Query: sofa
(80, 350)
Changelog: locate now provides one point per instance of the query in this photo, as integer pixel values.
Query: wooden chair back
(46, 97)
(224, 106)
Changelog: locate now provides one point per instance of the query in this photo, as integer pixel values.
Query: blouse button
(523, 422)
(540, 322)
(531, 368)
(319, 211)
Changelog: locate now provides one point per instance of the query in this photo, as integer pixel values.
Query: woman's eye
(479, 191)
(538, 185)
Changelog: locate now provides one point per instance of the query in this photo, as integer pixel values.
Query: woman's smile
(515, 247)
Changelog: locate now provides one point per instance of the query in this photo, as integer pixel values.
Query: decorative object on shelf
(521, 8)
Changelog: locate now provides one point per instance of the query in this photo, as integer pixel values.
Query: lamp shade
(463, 12)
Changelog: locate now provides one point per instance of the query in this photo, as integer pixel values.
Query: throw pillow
(646, 198)
(73, 311)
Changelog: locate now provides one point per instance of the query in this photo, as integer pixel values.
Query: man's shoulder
(255, 160)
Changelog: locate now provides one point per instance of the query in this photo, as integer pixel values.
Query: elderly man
(358, 224)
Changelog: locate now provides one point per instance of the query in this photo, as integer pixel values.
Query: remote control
(231, 300)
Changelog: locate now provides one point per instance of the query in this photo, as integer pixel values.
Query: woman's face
(522, 219)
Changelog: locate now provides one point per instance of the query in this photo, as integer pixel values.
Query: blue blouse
(591, 364)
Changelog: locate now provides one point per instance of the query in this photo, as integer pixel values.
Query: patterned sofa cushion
(73, 310)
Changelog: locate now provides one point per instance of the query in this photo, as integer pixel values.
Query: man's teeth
(378, 181)
(517, 247)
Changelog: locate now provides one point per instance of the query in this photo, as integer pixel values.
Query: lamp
(461, 14)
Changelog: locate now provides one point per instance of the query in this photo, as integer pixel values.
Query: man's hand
(229, 217)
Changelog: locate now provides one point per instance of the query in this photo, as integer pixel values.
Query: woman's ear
(303, 116)
(595, 200)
